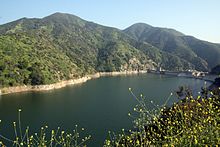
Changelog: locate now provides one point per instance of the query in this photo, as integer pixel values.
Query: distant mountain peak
(138, 29)
(64, 18)
(141, 24)
(59, 15)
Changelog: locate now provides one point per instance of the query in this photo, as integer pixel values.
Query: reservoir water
(98, 105)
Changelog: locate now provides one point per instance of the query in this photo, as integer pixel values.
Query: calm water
(98, 105)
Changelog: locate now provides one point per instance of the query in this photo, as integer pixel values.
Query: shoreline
(62, 84)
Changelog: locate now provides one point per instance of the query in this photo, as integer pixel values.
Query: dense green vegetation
(203, 55)
(34, 61)
(190, 122)
(64, 46)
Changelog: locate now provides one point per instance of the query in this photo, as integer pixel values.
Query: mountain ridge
(63, 46)
(176, 43)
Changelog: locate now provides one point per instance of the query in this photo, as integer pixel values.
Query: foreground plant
(190, 122)
(45, 137)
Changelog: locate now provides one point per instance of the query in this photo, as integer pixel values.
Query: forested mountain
(203, 55)
(63, 46)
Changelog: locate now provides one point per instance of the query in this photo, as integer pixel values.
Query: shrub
(190, 122)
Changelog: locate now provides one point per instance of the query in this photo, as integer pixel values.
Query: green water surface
(98, 105)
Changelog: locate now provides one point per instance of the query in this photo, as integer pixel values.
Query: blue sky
(200, 18)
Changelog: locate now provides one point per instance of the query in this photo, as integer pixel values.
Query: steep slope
(195, 51)
(163, 59)
(63, 46)
(210, 52)
(35, 61)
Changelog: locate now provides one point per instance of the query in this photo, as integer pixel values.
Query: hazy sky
(200, 18)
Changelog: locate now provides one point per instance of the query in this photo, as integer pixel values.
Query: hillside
(60, 47)
(203, 55)
(63, 46)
